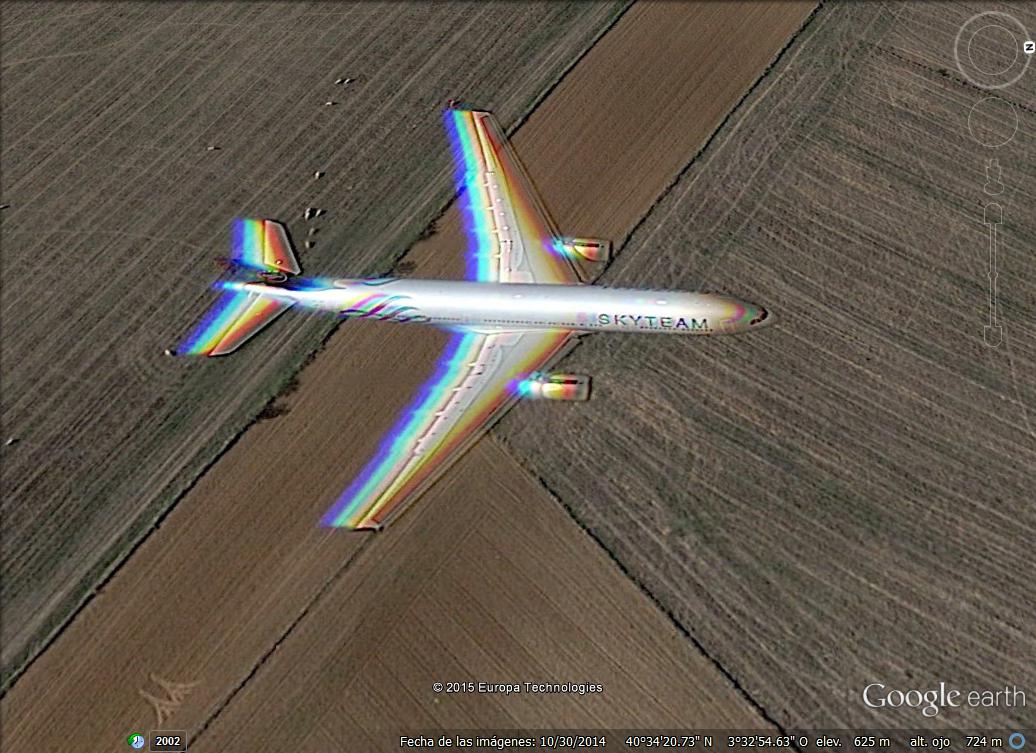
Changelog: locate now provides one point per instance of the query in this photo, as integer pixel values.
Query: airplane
(520, 309)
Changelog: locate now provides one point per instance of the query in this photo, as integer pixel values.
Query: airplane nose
(761, 315)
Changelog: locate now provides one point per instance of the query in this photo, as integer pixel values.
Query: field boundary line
(641, 586)
(192, 739)
(650, 596)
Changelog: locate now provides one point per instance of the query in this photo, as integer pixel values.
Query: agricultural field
(847, 496)
(482, 597)
(132, 134)
(238, 606)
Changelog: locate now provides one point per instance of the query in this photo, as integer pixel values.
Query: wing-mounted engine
(538, 386)
(590, 249)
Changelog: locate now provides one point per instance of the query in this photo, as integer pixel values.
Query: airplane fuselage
(505, 335)
(513, 306)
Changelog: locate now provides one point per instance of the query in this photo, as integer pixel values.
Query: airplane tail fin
(257, 245)
(262, 245)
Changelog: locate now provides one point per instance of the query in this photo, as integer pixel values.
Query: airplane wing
(478, 378)
(475, 383)
(512, 237)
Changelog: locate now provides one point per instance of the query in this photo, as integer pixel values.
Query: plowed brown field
(853, 488)
(277, 634)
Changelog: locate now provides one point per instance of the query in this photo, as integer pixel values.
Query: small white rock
(309, 244)
(318, 174)
(329, 103)
(310, 213)
(11, 440)
(211, 148)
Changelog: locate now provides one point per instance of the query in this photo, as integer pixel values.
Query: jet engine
(591, 249)
(555, 387)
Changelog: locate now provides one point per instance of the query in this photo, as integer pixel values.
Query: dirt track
(237, 569)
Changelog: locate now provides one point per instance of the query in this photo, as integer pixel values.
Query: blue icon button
(1016, 741)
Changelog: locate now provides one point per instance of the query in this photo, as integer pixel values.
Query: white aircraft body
(494, 307)
(515, 315)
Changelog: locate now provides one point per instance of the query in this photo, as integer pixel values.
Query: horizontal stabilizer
(232, 321)
(262, 245)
